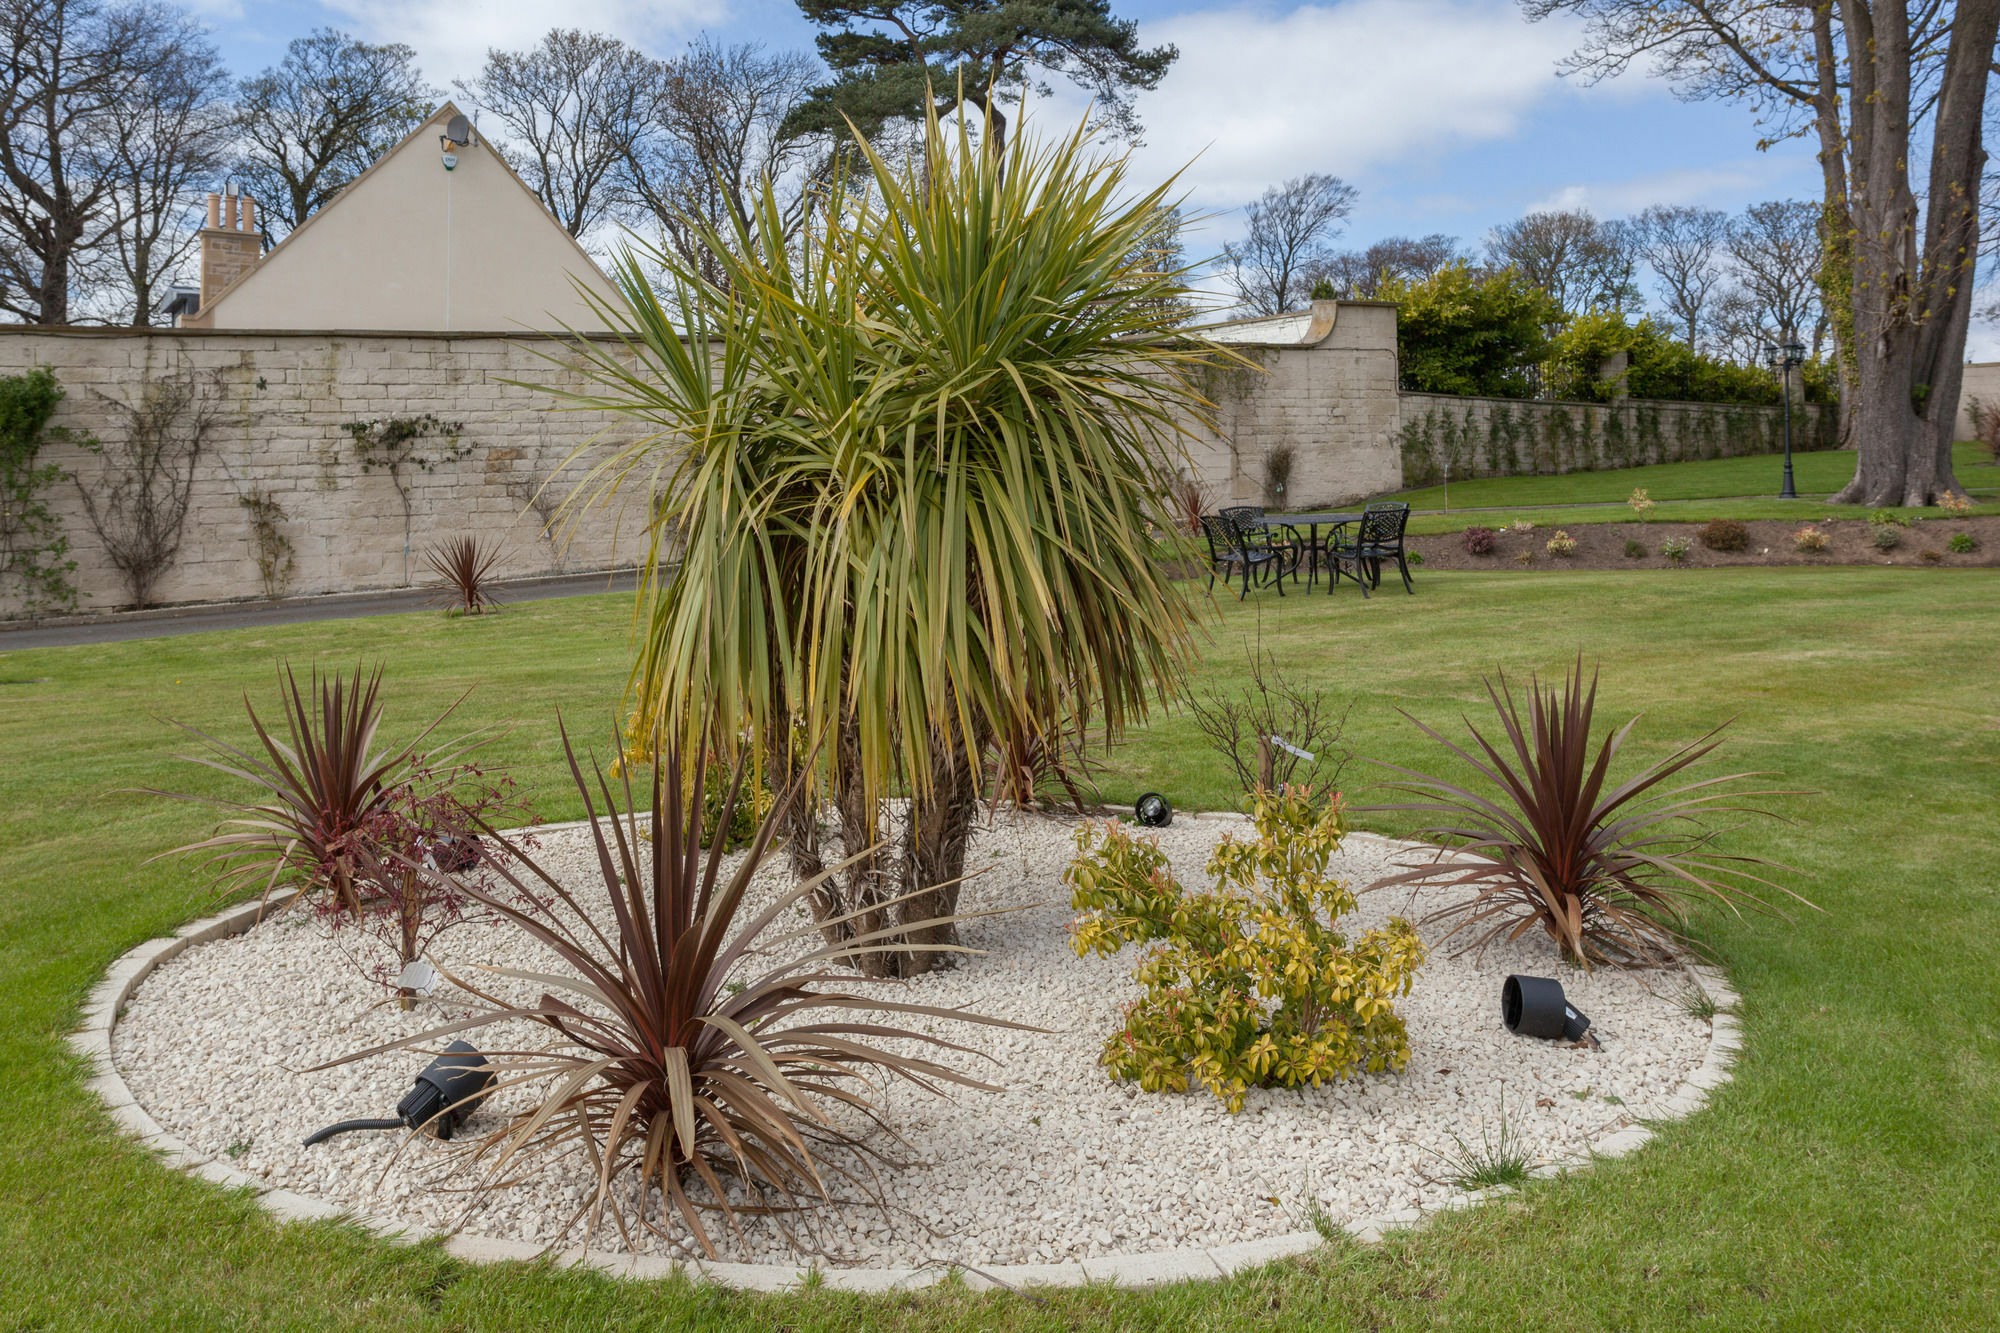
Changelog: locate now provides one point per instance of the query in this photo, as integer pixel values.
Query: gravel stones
(1061, 1166)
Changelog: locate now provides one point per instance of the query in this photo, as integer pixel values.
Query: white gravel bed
(1062, 1164)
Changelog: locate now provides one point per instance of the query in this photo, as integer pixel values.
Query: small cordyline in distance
(315, 788)
(908, 458)
(465, 568)
(1609, 872)
(680, 1058)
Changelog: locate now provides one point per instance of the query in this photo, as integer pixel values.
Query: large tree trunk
(1911, 305)
(1836, 230)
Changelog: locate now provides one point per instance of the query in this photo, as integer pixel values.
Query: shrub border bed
(92, 1041)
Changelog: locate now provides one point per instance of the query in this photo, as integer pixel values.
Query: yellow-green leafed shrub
(1246, 985)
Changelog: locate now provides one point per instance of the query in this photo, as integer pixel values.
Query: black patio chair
(1249, 521)
(1376, 538)
(1228, 551)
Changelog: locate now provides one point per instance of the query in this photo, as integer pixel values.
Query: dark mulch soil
(1850, 541)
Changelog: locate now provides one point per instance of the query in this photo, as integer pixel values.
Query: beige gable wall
(412, 246)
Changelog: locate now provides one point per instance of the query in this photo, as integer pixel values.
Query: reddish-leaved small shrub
(1479, 541)
(1725, 534)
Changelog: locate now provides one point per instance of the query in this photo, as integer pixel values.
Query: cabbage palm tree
(909, 464)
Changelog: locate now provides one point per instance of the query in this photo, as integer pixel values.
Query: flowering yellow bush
(1642, 503)
(1809, 538)
(1561, 544)
(1247, 987)
(1954, 503)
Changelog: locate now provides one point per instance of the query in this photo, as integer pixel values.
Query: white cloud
(1349, 88)
(452, 37)
(1703, 185)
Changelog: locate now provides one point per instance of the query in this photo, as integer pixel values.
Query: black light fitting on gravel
(1535, 1007)
(1152, 810)
(448, 1091)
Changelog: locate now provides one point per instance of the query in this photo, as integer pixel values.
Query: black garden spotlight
(1152, 810)
(448, 1091)
(1535, 1007)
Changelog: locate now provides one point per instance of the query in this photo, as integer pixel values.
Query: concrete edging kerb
(92, 1041)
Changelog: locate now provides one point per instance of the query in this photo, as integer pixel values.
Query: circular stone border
(92, 1041)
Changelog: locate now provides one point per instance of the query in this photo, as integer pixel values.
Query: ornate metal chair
(1376, 538)
(1229, 551)
(1249, 523)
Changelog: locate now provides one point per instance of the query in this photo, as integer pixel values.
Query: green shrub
(1885, 518)
(32, 545)
(1478, 541)
(1250, 984)
(1660, 366)
(1888, 537)
(1962, 543)
(1460, 332)
(1725, 534)
(1634, 549)
(1675, 549)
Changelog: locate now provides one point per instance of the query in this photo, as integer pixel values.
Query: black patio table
(1314, 547)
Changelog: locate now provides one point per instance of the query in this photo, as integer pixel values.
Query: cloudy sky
(1447, 114)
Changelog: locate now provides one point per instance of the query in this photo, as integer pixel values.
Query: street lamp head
(1795, 353)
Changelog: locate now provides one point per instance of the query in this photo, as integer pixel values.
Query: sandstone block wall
(1504, 437)
(1333, 405)
(278, 403)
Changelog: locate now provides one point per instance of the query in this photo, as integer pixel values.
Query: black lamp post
(1786, 358)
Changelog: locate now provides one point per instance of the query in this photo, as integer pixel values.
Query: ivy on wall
(1490, 437)
(32, 545)
(397, 445)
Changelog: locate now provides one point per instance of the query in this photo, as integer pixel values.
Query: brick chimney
(230, 245)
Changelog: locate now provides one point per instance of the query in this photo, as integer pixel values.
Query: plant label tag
(418, 976)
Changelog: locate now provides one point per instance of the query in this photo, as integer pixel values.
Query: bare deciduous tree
(571, 111)
(1776, 250)
(1272, 267)
(67, 68)
(1582, 262)
(1683, 245)
(714, 131)
(1359, 274)
(321, 117)
(1881, 84)
(171, 144)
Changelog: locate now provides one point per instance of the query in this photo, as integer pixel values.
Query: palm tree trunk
(940, 827)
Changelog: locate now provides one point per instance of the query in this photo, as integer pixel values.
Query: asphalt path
(113, 628)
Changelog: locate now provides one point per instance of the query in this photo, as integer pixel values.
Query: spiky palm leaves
(909, 459)
(315, 787)
(1608, 870)
(692, 1050)
(464, 567)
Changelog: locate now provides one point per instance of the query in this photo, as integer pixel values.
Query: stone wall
(1500, 437)
(1332, 404)
(277, 404)
(1982, 383)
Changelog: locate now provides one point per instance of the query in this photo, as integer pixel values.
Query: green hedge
(1492, 437)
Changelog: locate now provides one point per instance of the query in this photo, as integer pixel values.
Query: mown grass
(1681, 491)
(1844, 1180)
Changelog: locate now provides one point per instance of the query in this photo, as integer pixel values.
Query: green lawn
(1846, 1179)
(1741, 488)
